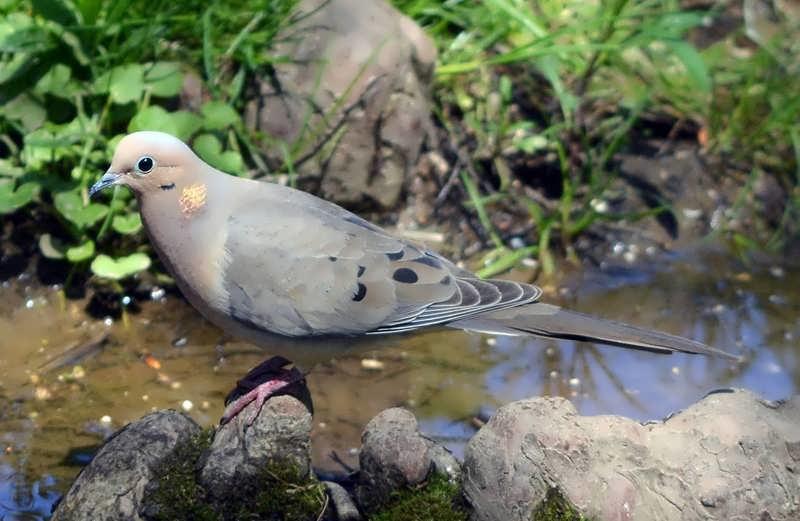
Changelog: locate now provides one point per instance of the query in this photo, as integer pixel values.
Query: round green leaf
(121, 267)
(127, 224)
(164, 79)
(181, 124)
(51, 247)
(82, 252)
(126, 83)
(218, 115)
(209, 148)
(152, 118)
(70, 205)
(13, 199)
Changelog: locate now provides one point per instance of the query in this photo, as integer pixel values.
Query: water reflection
(53, 414)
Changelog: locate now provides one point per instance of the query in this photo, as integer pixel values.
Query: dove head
(151, 163)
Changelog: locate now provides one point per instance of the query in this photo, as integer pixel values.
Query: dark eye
(145, 164)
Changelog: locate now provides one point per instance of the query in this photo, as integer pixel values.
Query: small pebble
(553, 374)
(777, 272)
(187, 405)
(180, 341)
(106, 419)
(108, 321)
(574, 382)
(676, 370)
(205, 405)
(491, 342)
(157, 293)
(126, 300)
(371, 364)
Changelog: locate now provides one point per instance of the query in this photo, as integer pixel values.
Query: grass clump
(537, 98)
(437, 500)
(280, 493)
(555, 507)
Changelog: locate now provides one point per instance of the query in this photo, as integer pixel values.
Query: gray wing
(300, 266)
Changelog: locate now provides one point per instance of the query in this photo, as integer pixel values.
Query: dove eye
(145, 164)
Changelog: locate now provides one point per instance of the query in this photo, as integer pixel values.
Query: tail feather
(551, 321)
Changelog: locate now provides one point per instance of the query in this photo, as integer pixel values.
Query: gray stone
(729, 456)
(240, 453)
(343, 504)
(112, 486)
(352, 98)
(395, 455)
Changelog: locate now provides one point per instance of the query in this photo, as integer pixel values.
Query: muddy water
(67, 381)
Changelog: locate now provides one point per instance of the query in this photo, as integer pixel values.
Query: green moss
(177, 494)
(279, 493)
(436, 500)
(283, 493)
(555, 507)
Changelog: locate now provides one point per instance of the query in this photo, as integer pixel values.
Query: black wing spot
(445, 280)
(361, 270)
(405, 275)
(429, 261)
(332, 258)
(360, 293)
(395, 256)
(169, 186)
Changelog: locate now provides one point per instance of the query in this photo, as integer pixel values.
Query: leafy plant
(75, 76)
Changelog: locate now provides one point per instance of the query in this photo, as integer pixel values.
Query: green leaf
(164, 79)
(82, 252)
(11, 199)
(217, 115)
(126, 83)
(57, 82)
(186, 124)
(121, 267)
(693, 62)
(70, 205)
(152, 118)
(209, 149)
(56, 11)
(9, 169)
(181, 124)
(27, 111)
(127, 224)
(51, 247)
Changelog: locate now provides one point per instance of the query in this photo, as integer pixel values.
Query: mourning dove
(305, 279)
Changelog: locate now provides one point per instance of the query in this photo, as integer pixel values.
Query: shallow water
(62, 391)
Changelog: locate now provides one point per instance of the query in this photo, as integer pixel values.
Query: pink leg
(260, 394)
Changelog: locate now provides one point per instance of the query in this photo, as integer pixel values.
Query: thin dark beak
(108, 179)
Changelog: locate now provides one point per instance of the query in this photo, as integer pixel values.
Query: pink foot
(273, 379)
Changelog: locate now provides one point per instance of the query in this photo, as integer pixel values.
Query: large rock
(240, 453)
(352, 99)
(729, 456)
(394, 455)
(112, 486)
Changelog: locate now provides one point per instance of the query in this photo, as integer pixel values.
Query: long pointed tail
(552, 321)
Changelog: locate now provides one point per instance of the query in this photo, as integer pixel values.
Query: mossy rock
(438, 499)
(555, 507)
(280, 493)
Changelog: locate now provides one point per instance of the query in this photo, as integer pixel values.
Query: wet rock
(353, 98)
(342, 502)
(112, 485)
(278, 437)
(729, 456)
(394, 455)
